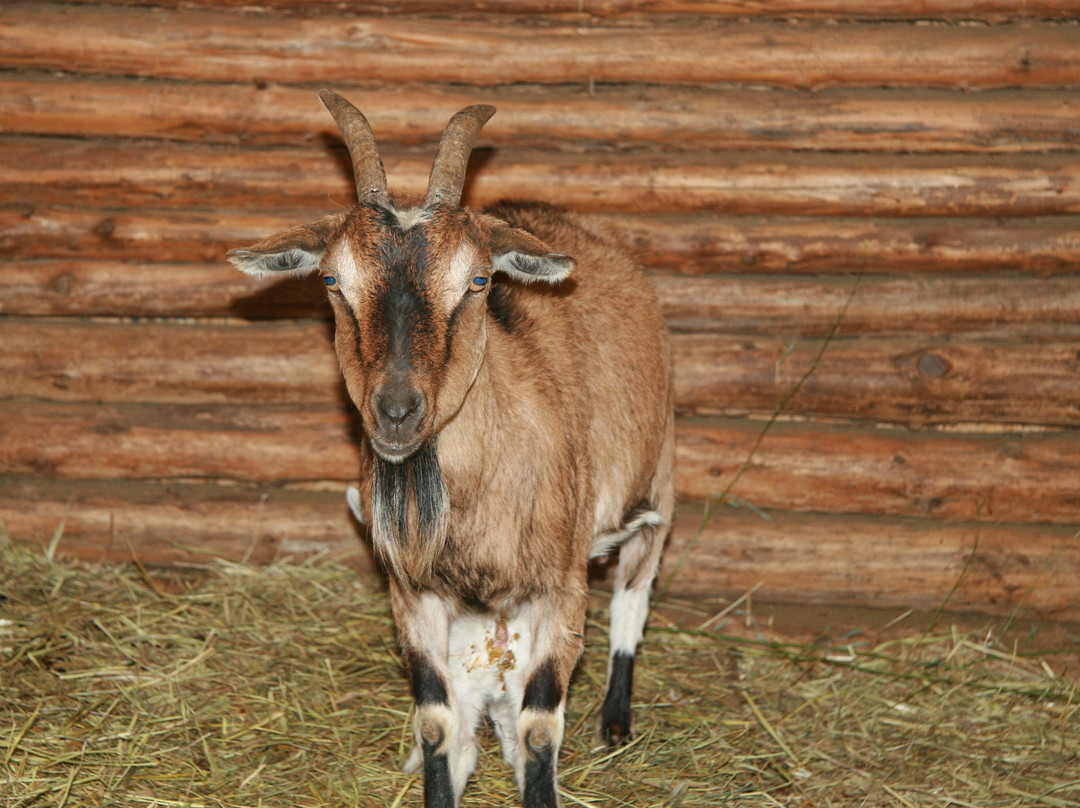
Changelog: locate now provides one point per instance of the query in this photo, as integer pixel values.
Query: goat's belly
(488, 651)
(488, 658)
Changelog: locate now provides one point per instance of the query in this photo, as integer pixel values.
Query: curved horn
(448, 171)
(367, 166)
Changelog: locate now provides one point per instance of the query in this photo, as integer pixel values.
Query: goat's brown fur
(545, 407)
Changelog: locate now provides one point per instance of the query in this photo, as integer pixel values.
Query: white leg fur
(414, 761)
(629, 611)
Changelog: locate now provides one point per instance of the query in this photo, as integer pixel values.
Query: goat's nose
(400, 409)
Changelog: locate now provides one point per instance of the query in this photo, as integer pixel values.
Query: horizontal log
(907, 380)
(206, 44)
(912, 380)
(801, 558)
(877, 562)
(694, 244)
(47, 171)
(1014, 477)
(999, 306)
(704, 243)
(206, 364)
(143, 442)
(787, 307)
(806, 467)
(993, 10)
(111, 288)
(542, 117)
(34, 231)
(180, 523)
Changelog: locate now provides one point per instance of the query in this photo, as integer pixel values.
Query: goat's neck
(502, 418)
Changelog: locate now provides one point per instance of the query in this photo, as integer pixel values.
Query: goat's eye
(331, 283)
(478, 283)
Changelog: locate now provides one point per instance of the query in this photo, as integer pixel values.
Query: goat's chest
(515, 531)
(488, 570)
(480, 576)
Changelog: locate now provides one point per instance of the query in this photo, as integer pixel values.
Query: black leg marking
(540, 789)
(429, 688)
(543, 692)
(615, 717)
(427, 684)
(438, 787)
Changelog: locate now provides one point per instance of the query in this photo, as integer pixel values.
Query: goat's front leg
(444, 743)
(558, 628)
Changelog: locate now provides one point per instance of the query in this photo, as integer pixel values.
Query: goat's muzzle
(398, 411)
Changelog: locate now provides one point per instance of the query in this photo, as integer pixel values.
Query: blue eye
(478, 283)
(331, 282)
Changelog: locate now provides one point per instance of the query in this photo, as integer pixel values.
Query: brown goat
(520, 421)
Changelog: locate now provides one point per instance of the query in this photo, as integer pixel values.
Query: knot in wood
(933, 365)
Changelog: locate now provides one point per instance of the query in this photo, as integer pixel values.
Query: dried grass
(282, 685)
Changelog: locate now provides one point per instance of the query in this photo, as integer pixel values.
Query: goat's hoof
(616, 732)
(616, 735)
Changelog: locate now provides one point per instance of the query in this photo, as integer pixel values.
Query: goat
(517, 409)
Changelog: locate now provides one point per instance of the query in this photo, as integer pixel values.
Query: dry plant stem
(717, 501)
(1050, 563)
(963, 571)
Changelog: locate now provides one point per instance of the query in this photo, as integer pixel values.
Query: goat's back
(610, 351)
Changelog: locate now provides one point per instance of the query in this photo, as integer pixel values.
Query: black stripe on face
(355, 327)
(402, 307)
(451, 331)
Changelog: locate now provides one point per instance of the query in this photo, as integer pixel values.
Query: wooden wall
(772, 163)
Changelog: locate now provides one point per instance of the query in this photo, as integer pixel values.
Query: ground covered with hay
(282, 685)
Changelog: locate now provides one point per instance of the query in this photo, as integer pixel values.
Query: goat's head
(408, 285)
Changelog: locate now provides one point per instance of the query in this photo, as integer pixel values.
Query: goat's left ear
(523, 256)
(297, 251)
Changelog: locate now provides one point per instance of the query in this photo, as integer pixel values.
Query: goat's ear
(523, 256)
(297, 251)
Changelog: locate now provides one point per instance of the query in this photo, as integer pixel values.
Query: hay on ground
(283, 685)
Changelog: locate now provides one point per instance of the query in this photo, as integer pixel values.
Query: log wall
(861, 220)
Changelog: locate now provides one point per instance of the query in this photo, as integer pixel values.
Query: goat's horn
(448, 171)
(367, 166)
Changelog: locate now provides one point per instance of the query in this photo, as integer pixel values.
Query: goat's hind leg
(639, 558)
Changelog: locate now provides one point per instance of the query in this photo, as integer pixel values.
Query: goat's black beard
(410, 512)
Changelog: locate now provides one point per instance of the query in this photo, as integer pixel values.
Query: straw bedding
(261, 686)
